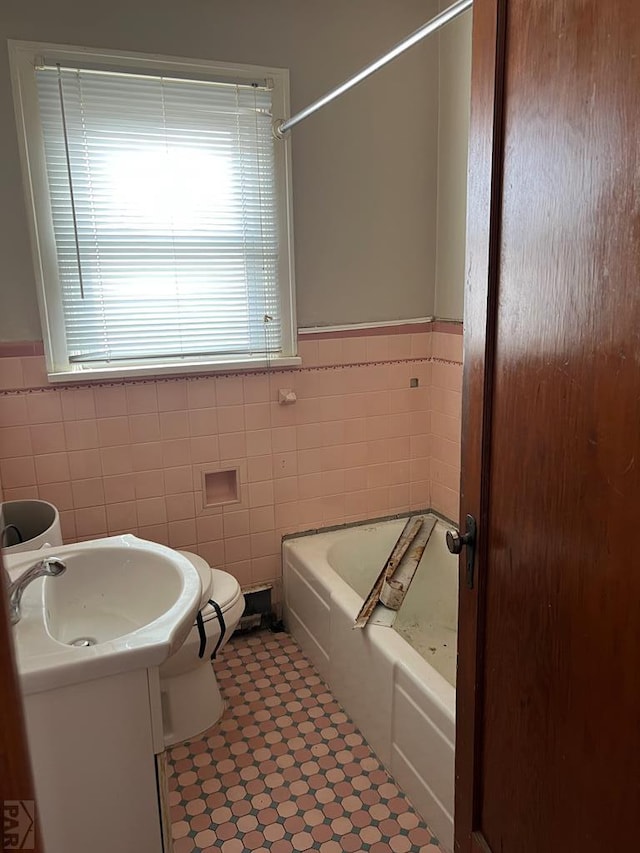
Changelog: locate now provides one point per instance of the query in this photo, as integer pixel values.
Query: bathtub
(396, 677)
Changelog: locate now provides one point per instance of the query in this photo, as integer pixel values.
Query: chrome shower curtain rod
(281, 126)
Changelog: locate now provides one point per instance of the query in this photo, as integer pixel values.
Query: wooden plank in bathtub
(409, 533)
(396, 585)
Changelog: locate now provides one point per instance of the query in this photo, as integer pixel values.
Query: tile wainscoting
(129, 456)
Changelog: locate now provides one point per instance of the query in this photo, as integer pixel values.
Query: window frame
(24, 56)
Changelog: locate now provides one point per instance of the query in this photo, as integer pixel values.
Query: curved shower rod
(281, 126)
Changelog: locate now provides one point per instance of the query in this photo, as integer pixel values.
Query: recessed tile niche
(220, 487)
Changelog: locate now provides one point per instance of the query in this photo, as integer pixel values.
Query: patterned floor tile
(285, 769)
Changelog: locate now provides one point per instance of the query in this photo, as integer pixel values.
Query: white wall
(365, 169)
(453, 136)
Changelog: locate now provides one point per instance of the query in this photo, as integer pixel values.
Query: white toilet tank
(28, 525)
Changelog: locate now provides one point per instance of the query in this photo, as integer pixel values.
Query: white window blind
(164, 208)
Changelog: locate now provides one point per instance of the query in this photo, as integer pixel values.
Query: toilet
(191, 699)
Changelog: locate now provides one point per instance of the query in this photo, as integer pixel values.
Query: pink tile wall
(129, 457)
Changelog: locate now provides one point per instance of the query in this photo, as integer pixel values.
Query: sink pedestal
(93, 751)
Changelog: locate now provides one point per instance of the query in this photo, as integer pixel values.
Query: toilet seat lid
(225, 591)
(205, 572)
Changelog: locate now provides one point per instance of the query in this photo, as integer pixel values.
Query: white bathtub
(403, 704)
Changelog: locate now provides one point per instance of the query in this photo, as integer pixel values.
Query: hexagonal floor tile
(285, 770)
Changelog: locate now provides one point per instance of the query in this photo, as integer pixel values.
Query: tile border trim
(41, 389)
(21, 349)
(24, 349)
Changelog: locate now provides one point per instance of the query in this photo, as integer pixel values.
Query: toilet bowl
(191, 699)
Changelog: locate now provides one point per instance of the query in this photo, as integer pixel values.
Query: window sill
(185, 369)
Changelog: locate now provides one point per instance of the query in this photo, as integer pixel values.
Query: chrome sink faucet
(49, 567)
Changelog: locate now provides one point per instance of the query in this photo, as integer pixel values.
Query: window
(161, 212)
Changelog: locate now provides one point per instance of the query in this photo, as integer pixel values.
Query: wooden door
(548, 738)
(16, 786)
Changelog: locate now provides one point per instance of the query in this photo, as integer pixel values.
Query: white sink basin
(124, 602)
(109, 592)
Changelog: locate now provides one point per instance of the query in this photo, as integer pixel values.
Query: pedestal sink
(93, 710)
(122, 603)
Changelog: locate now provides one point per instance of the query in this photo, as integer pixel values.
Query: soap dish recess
(220, 487)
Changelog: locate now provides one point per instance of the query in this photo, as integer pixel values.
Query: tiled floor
(285, 769)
